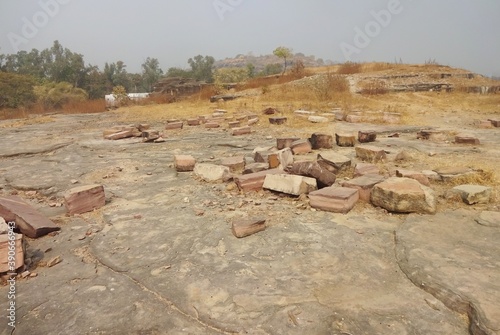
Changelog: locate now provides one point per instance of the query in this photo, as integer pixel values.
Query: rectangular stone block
(367, 136)
(253, 121)
(495, 122)
(364, 185)
(212, 172)
(321, 141)
(241, 131)
(301, 147)
(17, 251)
(28, 220)
(193, 122)
(334, 199)
(290, 184)
(254, 181)
(246, 227)
(345, 140)
(174, 125)
(333, 161)
(122, 134)
(370, 153)
(467, 139)
(84, 199)
(282, 143)
(323, 176)
(212, 125)
(235, 164)
(234, 124)
(184, 163)
(255, 167)
(362, 169)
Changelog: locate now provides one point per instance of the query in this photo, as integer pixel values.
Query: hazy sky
(460, 33)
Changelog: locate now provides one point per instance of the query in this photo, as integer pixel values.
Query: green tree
(178, 72)
(202, 67)
(16, 90)
(96, 83)
(284, 53)
(271, 69)
(151, 73)
(250, 70)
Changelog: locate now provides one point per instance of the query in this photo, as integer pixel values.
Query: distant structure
(177, 87)
(112, 102)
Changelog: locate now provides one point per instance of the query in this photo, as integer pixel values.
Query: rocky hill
(261, 61)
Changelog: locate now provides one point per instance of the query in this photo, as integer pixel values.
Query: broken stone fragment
(235, 164)
(123, 134)
(255, 167)
(286, 142)
(27, 219)
(418, 176)
(150, 135)
(184, 163)
(370, 153)
(364, 185)
(290, 184)
(17, 248)
(174, 125)
(234, 124)
(367, 136)
(321, 141)
(334, 199)
(212, 172)
(212, 125)
(301, 147)
(84, 199)
(467, 139)
(278, 120)
(193, 122)
(241, 131)
(317, 119)
(253, 121)
(489, 219)
(254, 181)
(246, 227)
(345, 140)
(495, 122)
(473, 194)
(404, 195)
(314, 170)
(362, 169)
(333, 161)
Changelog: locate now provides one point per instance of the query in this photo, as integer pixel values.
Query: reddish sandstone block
(364, 185)
(184, 163)
(235, 164)
(241, 131)
(362, 169)
(334, 199)
(301, 147)
(174, 125)
(84, 199)
(254, 181)
(18, 249)
(246, 227)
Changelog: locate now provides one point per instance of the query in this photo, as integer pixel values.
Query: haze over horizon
(459, 33)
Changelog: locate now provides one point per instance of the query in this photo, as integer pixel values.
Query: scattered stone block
(254, 181)
(290, 184)
(246, 227)
(467, 139)
(193, 122)
(117, 129)
(143, 127)
(7, 249)
(278, 120)
(485, 124)
(282, 143)
(174, 125)
(321, 141)
(495, 122)
(184, 163)
(212, 172)
(345, 140)
(241, 131)
(173, 121)
(242, 118)
(404, 195)
(28, 220)
(367, 136)
(262, 155)
(393, 135)
(84, 199)
(253, 121)
(431, 175)
(285, 157)
(473, 194)
(433, 135)
(212, 125)
(402, 156)
(489, 219)
(270, 111)
(122, 134)
(301, 147)
(323, 176)
(273, 160)
(235, 164)
(364, 185)
(354, 118)
(362, 169)
(150, 135)
(234, 124)
(418, 176)
(452, 173)
(317, 119)
(370, 153)
(255, 167)
(333, 161)
(334, 199)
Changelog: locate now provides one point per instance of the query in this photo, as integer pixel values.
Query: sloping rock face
(404, 195)
(446, 255)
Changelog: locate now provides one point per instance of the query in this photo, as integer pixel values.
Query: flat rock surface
(160, 258)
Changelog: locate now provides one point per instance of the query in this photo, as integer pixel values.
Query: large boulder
(404, 195)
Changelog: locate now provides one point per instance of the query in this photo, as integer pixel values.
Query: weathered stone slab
(314, 170)
(235, 164)
(174, 125)
(432, 135)
(184, 163)
(345, 140)
(334, 199)
(246, 227)
(467, 139)
(495, 122)
(211, 172)
(28, 220)
(234, 124)
(473, 194)
(212, 125)
(333, 161)
(354, 118)
(122, 134)
(489, 219)
(282, 143)
(301, 147)
(284, 157)
(193, 122)
(290, 184)
(367, 136)
(254, 181)
(84, 199)
(253, 121)
(321, 141)
(451, 173)
(241, 131)
(278, 120)
(364, 185)
(255, 167)
(404, 195)
(370, 153)
(317, 119)
(150, 135)
(362, 169)
(418, 176)
(13, 248)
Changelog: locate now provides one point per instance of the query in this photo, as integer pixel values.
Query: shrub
(55, 95)
(16, 90)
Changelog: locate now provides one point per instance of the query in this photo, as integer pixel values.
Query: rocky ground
(160, 258)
